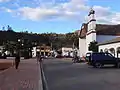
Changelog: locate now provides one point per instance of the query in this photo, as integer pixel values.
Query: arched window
(118, 50)
(106, 50)
(112, 51)
(101, 50)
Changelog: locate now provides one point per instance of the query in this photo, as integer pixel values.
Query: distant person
(17, 60)
(5, 56)
(38, 57)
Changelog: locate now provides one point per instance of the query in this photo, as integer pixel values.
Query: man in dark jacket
(17, 60)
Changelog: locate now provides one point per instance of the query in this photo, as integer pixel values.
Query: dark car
(100, 59)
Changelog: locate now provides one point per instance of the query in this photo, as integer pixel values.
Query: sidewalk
(27, 77)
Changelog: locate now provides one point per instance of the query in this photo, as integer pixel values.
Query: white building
(1, 49)
(6, 52)
(34, 50)
(111, 46)
(66, 51)
(95, 32)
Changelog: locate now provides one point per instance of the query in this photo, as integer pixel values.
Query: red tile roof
(102, 29)
(116, 40)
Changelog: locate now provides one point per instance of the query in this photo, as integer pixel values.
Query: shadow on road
(105, 67)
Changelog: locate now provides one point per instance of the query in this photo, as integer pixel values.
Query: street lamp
(22, 44)
(19, 40)
(19, 45)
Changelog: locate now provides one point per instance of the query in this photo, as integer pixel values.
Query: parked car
(100, 59)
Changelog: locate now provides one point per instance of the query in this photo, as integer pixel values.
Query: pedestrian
(38, 57)
(17, 60)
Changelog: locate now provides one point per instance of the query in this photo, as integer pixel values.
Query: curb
(44, 82)
(7, 68)
(40, 83)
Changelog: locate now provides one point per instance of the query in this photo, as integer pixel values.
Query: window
(42, 48)
(110, 55)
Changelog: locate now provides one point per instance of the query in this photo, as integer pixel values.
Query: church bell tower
(91, 26)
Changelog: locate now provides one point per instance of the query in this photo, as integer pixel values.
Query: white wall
(82, 47)
(34, 52)
(1, 48)
(102, 38)
(66, 50)
(91, 29)
(92, 26)
(108, 46)
(89, 38)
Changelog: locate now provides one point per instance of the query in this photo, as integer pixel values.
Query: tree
(93, 46)
(72, 38)
(9, 46)
(9, 29)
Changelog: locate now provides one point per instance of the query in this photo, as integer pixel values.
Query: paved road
(63, 75)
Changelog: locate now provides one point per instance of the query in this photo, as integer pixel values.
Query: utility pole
(51, 45)
(73, 45)
(73, 49)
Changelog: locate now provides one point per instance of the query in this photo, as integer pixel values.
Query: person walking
(38, 57)
(17, 60)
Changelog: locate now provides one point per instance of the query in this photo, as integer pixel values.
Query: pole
(73, 45)
(51, 46)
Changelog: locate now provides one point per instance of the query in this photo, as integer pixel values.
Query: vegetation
(93, 46)
(9, 39)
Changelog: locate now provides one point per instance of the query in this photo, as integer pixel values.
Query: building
(91, 31)
(44, 50)
(67, 51)
(34, 52)
(2, 51)
(111, 46)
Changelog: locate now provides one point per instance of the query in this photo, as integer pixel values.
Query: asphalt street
(64, 75)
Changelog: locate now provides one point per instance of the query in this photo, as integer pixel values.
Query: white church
(107, 36)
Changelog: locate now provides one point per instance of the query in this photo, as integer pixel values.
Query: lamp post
(22, 44)
(19, 45)
(19, 40)
(51, 39)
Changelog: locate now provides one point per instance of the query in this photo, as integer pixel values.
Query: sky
(59, 16)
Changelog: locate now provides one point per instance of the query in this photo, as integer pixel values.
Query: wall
(66, 50)
(92, 25)
(1, 48)
(82, 47)
(34, 52)
(108, 46)
(91, 32)
(89, 38)
(102, 38)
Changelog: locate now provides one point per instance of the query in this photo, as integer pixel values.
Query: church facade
(100, 33)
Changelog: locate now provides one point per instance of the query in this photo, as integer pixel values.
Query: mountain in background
(57, 40)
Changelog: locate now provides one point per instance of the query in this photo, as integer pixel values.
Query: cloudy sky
(59, 16)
